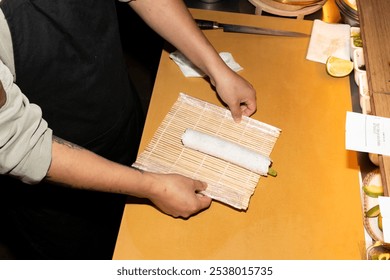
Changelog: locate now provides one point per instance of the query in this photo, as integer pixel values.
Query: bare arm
(29, 152)
(172, 20)
(79, 168)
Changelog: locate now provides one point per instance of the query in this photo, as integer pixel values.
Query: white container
(354, 31)
(359, 65)
(364, 94)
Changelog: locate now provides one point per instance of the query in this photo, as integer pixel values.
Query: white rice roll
(226, 150)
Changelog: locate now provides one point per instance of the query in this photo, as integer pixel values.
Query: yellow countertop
(312, 209)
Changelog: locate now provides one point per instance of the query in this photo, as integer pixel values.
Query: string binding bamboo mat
(227, 182)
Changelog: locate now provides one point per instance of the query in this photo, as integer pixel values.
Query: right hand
(177, 195)
(238, 94)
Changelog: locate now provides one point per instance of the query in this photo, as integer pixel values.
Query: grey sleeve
(25, 139)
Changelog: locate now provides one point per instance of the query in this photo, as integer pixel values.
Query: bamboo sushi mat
(227, 182)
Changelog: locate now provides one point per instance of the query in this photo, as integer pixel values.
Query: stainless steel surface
(348, 15)
(208, 24)
(235, 6)
(262, 31)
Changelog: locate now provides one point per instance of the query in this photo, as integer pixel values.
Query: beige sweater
(25, 139)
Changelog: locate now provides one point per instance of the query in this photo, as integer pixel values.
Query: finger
(236, 113)
(204, 201)
(199, 185)
(248, 109)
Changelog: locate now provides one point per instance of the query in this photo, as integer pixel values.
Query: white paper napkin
(190, 70)
(329, 39)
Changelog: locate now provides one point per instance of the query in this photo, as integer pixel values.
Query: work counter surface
(312, 209)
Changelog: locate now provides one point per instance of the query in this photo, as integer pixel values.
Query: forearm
(172, 20)
(77, 167)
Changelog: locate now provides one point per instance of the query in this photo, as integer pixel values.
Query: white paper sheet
(329, 39)
(366, 133)
(190, 70)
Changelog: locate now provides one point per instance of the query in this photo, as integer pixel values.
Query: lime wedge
(373, 212)
(373, 190)
(338, 67)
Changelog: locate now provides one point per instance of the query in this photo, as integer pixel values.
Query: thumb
(236, 113)
(199, 186)
(204, 200)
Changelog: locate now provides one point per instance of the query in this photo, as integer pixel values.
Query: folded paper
(190, 70)
(329, 39)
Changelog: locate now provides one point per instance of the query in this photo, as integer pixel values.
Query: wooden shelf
(375, 31)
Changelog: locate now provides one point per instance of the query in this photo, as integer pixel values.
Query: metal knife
(208, 24)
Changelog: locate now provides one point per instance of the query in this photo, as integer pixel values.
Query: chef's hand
(177, 195)
(238, 94)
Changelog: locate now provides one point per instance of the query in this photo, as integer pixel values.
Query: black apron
(68, 60)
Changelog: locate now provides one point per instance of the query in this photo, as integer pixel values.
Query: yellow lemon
(338, 67)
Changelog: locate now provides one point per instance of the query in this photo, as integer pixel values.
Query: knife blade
(208, 24)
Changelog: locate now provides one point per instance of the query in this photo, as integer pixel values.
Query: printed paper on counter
(366, 133)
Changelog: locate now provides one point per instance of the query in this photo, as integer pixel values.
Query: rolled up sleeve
(25, 139)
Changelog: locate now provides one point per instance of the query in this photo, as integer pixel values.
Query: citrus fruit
(373, 212)
(338, 67)
(373, 190)
(380, 222)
